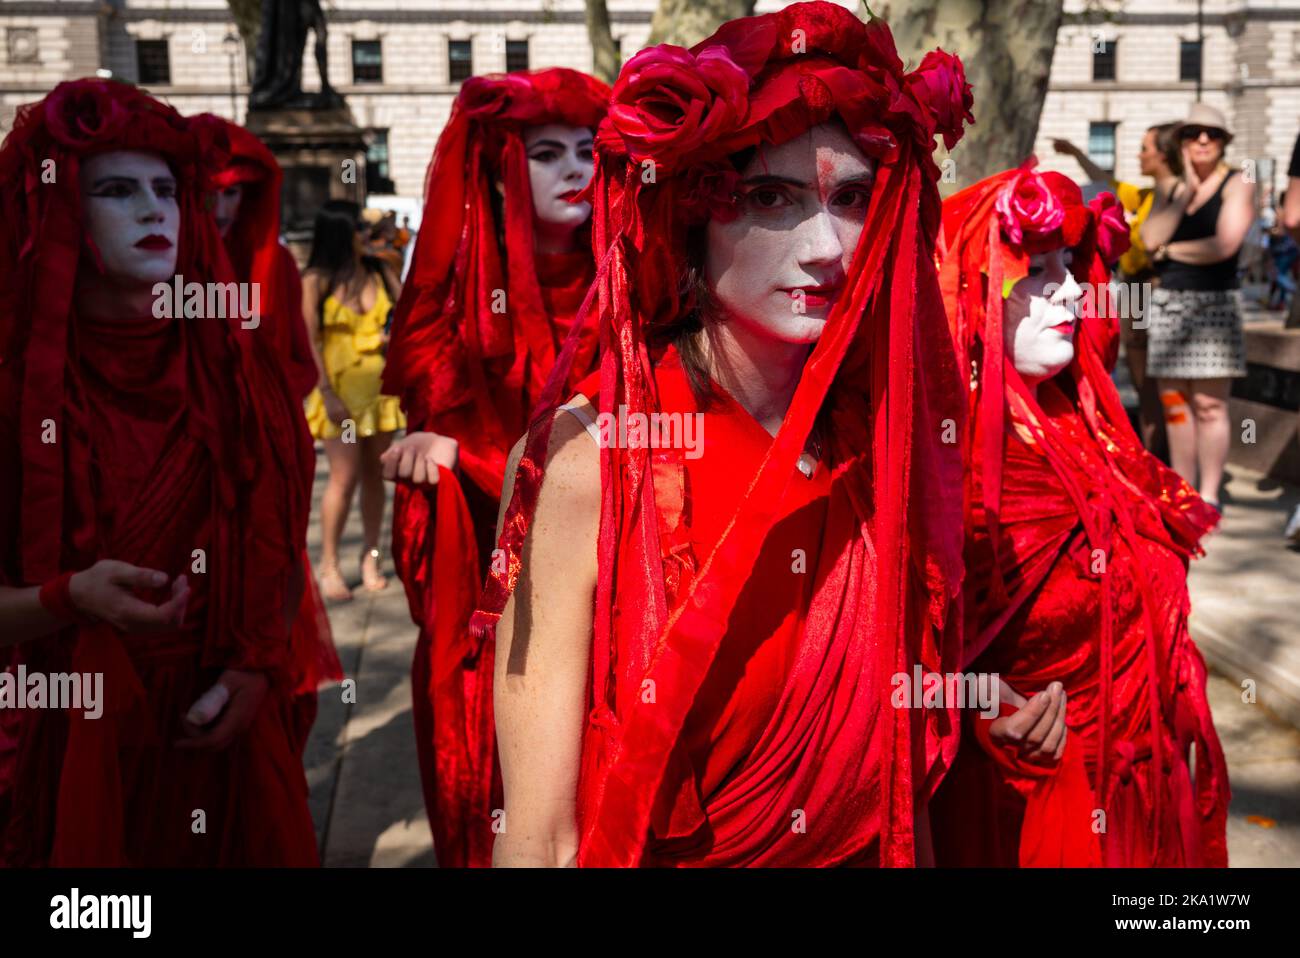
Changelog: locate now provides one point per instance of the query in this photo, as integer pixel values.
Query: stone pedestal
(323, 155)
(1269, 396)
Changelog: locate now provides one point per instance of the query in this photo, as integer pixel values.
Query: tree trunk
(248, 21)
(604, 57)
(687, 22)
(1007, 47)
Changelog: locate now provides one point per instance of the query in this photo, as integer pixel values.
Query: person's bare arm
(1291, 207)
(543, 649)
(1235, 217)
(1165, 213)
(392, 283)
(104, 592)
(311, 300)
(1095, 172)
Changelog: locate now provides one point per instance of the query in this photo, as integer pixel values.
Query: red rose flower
(668, 102)
(1027, 205)
(939, 84)
(1113, 235)
(83, 112)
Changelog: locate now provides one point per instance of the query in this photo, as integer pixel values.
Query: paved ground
(365, 787)
(361, 766)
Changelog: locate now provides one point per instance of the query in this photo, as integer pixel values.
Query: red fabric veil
(239, 416)
(882, 370)
(471, 365)
(1112, 489)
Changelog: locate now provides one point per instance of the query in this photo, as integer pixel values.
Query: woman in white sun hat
(1196, 347)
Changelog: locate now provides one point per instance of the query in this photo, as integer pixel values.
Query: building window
(21, 46)
(1101, 145)
(367, 61)
(377, 179)
(460, 61)
(516, 55)
(1189, 61)
(152, 64)
(1103, 60)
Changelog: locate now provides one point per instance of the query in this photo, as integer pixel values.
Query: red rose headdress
(882, 368)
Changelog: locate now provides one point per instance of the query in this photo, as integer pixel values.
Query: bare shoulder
(1240, 186)
(571, 487)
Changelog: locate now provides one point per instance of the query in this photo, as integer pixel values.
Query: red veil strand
(475, 334)
(882, 369)
(1110, 487)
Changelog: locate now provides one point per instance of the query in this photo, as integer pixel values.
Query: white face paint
(560, 164)
(225, 207)
(132, 215)
(1040, 317)
(781, 264)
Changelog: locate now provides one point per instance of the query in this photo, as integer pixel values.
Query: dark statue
(277, 80)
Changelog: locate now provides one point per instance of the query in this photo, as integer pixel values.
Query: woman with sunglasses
(346, 296)
(1195, 230)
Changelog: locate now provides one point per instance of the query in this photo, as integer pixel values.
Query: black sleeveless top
(1193, 226)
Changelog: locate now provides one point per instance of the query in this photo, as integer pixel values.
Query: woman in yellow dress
(346, 299)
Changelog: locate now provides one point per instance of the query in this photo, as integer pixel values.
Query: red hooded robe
(173, 435)
(254, 247)
(475, 335)
(1077, 549)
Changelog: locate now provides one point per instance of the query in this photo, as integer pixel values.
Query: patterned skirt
(1195, 334)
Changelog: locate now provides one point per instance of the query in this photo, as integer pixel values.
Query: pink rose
(1027, 205)
(668, 101)
(83, 112)
(1113, 234)
(939, 84)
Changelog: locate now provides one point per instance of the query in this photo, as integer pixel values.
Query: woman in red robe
(500, 267)
(246, 206)
(1077, 548)
(153, 483)
(698, 615)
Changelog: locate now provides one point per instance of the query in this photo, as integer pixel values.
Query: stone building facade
(1120, 68)
(1119, 65)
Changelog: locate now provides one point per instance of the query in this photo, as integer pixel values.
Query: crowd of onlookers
(1200, 233)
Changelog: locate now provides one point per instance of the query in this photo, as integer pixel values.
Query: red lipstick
(816, 296)
(154, 241)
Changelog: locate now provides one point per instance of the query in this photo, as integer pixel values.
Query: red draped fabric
(475, 334)
(258, 256)
(831, 755)
(175, 436)
(1077, 552)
